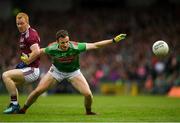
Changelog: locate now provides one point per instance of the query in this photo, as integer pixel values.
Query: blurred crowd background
(125, 68)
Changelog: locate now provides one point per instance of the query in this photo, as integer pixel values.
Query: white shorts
(59, 76)
(31, 74)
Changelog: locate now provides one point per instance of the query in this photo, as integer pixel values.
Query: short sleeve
(47, 50)
(82, 47)
(50, 49)
(33, 39)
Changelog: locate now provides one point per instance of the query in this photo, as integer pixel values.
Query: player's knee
(88, 94)
(5, 75)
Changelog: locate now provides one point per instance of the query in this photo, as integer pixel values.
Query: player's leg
(46, 82)
(12, 78)
(80, 83)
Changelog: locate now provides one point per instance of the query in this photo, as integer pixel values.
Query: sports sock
(14, 100)
(88, 110)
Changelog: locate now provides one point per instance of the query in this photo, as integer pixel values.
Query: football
(160, 48)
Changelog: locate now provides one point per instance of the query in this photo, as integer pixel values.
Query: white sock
(14, 102)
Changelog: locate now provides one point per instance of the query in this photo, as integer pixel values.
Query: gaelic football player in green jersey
(65, 65)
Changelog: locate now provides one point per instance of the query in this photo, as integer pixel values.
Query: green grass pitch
(70, 108)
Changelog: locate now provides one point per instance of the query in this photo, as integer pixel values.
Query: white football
(160, 48)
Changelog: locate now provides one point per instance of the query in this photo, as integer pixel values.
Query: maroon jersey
(27, 39)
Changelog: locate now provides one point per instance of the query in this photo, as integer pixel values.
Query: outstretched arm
(99, 44)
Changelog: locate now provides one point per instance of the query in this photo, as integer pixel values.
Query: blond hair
(24, 15)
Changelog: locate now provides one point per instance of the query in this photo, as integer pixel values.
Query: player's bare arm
(33, 55)
(42, 52)
(35, 52)
(99, 44)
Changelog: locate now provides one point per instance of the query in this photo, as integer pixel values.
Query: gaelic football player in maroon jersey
(28, 70)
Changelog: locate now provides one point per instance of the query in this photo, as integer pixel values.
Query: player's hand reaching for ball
(119, 37)
(24, 58)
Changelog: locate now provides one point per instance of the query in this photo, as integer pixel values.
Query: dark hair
(61, 34)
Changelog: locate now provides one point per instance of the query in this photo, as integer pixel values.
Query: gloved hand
(21, 65)
(119, 38)
(24, 58)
